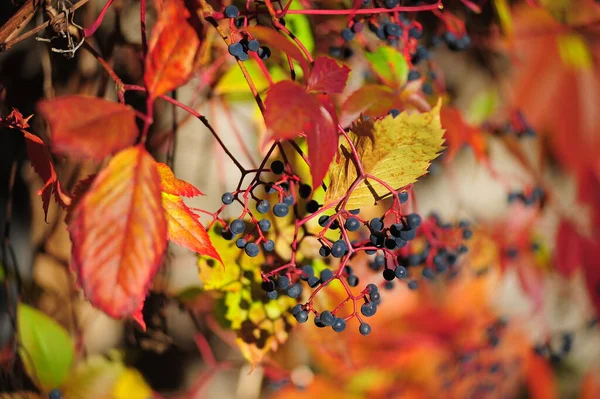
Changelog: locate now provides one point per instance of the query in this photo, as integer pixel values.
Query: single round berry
(318, 322)
(263, 206)
(339, 325)
(308, 270)
(327, 318)
(353, 280)
(352, 224)
(227, 198)
(253, 45)
(313, 281)
(251, 249)
(55, 394)
(237, 226)
(272, 295)
(264, 52)
(401, 272)
(408, 234)
(389, 275)
(236, 49)
(428, 273)
(376, 224)
(347, 34)
(301, 316)
(264, 225)
(312, 206)
(269, 245)
(227, 235)
(326, 275)
(372, 288)
(288, 200)
(413, 75)
(403, 196)
(280, 209)
(400, 243)
(323, 220)
(413, 220)
(338, 249)
(368, 309)
(231, 11)
(324, 251)
(413, 285)
(283, 282)
(268, 285)
(390, 243)
(241, 243)
(375, 296)
(364, 329)
(467, 234)
(335, 52)
(296, 309)
(277, 167)
(304, 191)
(294, 291)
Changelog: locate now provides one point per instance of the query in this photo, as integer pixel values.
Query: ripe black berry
(236, 49)
(227, 198)
(413, 285)
(277, 167)
(269, 245)
(353, 280)
(352, 224)
(288, 200)
(368, 309)
(389, 274)
(364, 329)
(394, 112)
(403, 196)
(324, 251)
(55, 394)
(304, 190)
(339, 325)
(237, 226)
(326, 274)
(263, 206)
(294, 291)
(467, 234)
(241, 243)
(283, 282)
(313, 281)
(327, 318)
(376, 224)
(280, 209)
(413, 220)
(408, 234)
(251, 249)
(338, 249)
(272, 295)
(264, 52)
(264, 225)
(301, 316)
(253, 45)
(312, 206)
(347, 34)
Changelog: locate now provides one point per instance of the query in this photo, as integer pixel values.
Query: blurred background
(521, 168)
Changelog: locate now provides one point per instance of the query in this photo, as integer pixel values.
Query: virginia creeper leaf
(327, 76)
(45, 348)
(291, 111)
(88, 127)
(234, 82)
(389, 64)
(170, 61)
(370, 100)
(276, 40)
(459, 133)
(172, 185)
(119, 233)
(394, 150)
(184, 228)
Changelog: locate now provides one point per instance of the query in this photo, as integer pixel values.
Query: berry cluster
(536, 195)
(241, 48)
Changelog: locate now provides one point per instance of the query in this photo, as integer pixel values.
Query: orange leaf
(88, 127)
(184, 228)
(119, 233)
(370, 100)
(276, 40)
(172, 185)
(170, 61)
(540, 378)
(459, 133)
(590, 387)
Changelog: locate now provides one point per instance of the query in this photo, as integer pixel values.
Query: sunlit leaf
(170, 61)
(233, 82)
(45, 348)
(369, 100)
(170, 184)
(131, 385)
(184, 228)
(119, 233)
(278, 41)
(394, 150)
(85, 127)
(389, 63)
(327, 76)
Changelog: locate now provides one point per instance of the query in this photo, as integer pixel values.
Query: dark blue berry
(288, 200)
(323, 220)
(280, 209)
(401, 272)
(467, 234)
(415, 32)
(296, 309)
(354, 211)
(357, 27)
(428, 273)
(55, 394)
(372, 288)
(327, 318)
(231, 11)
(312, 206)
(408, 234)
(313, 281)
(242, 57)
(324, 251)
(269, 245)
(318, 322)
(389, 275)
(308, 270)
(364, 329)
(413, 75)
(253, 45)
(263, 206)
(368, 309)
(277, 167)
(347, 34)
(326, 275)
(251, 249)
(403, 196)
(338, 249)
(283, 282)
(264, 225)
(393, 30)
(335, 51)
(339, 325)
(353, 280)
(241, 243)
(301, 316)
(227, 234)
(413, 285)
(352, 224)
(375, 296)
(272, 295)
(227, 198)
(237, 226)
(376, 224)
(294, 291)
(394, 112)
(413, 220)
(304, 190)
(400, 243)
(268, 285)
(235, 49)
(395, 229)
(264, 52)
(390, 243)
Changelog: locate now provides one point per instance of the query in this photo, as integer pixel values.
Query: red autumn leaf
(119, 234)
(88, 127)
(170, 60)
(541, 382)
(172, 185)
(290, 111)
(327, 76)
(568, 254)
(460, 133)
(277, 41)
(371, 100)
(184, 228)
(591, 269)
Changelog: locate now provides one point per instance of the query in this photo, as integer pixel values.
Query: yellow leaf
(94, 378)
(394, 150)
(234, 82)
(131, 385)
(574, 52)
(505, 17)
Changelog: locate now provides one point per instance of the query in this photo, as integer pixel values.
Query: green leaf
(299, 25)
(233, 82)
(483, 107)
(389, 64)
(46, 348)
